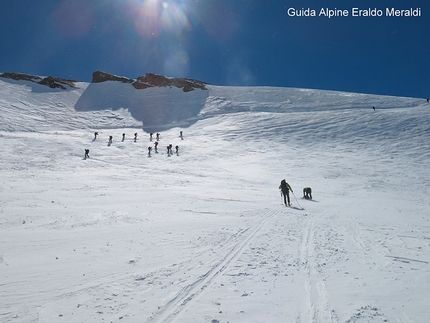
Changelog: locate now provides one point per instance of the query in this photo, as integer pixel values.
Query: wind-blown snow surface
(202, 235)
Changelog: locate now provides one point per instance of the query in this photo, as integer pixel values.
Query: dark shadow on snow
(296, 208)
(158, 108)
(309, 200)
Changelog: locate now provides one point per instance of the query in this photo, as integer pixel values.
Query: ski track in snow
(317, 298)
(235, 245)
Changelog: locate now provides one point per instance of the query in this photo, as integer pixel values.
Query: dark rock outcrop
(99, 77)
(52, 82)
(151, 80)
(55, 82)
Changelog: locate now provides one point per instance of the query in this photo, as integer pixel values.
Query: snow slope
(202, 235)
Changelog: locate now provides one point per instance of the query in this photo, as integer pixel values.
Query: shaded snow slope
(202, 235)
(156, 108)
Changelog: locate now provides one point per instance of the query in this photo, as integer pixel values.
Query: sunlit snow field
(202, 235)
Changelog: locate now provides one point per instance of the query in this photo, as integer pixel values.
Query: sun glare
(152, 17)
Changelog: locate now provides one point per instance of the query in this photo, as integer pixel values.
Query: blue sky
(222, 42)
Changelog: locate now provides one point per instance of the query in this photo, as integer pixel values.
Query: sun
(153, 17)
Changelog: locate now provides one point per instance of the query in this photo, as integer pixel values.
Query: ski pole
(296, 200)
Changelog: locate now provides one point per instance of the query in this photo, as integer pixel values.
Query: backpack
(284, 187)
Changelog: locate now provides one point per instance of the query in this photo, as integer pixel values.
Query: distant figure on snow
(158, 136)
(149, 150)
(123, 136)
(95, 135)
(307, 193)
(156, 145)
(428, 100)
(135, 136)
(180, 133)
(87, 153)
(150, 136)
(169, 148)
(374, 109)
(110, 139)
(177, 149)
(285, 191)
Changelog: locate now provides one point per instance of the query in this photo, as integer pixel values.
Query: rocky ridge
(52, 82)
(151, 80)
(142, 82)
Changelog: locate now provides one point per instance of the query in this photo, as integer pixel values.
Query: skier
(374, 108)
(155, 145)
(158, 136)
(149, 150)
(169, 148)
(135, 136)
(123, 136)
(110, 139)
(150, 136)
(307, 193)
(285, 190)
(95, 135)
(177, 149)
(180, 134)
(87, 153)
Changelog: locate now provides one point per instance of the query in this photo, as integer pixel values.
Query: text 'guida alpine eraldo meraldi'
(354, 12)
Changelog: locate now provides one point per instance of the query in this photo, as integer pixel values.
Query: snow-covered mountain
(201, 235)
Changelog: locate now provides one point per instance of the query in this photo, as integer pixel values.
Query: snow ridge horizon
(119, 104)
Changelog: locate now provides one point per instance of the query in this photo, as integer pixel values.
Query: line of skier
(169, 149)
(110, 141)
(158, 135)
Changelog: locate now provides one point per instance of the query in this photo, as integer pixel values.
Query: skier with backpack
(285, 191)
